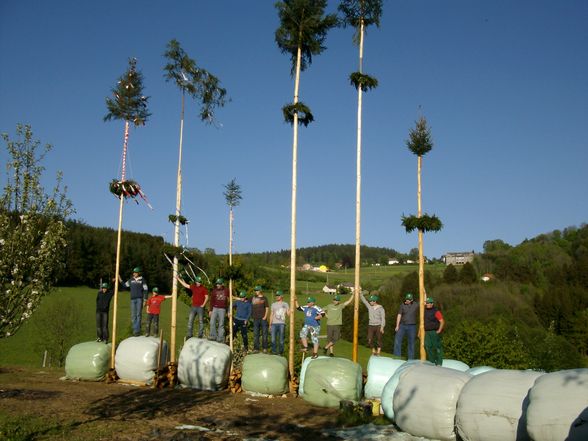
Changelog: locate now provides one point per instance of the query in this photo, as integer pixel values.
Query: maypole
(129, 104)
(301, 33)
(420, 143)
(359, 14)
(203, 86)
(233, 197)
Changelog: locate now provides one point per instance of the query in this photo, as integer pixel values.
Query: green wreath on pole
(423, 223)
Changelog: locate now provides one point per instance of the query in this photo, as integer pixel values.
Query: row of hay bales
(424, 400)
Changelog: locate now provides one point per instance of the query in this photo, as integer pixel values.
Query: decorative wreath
(423, 223)
(364, 81)
(305, 116)
(181, 219)
(128, 189)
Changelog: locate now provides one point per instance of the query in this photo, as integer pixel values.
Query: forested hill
(331, 255)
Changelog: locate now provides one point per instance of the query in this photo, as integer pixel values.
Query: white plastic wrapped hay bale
(425, 401)
(387, 396)
(558, 406)
(136, 359)
(88, 361)
(455, 364)
(265, 374)
(379, 370)
(477, 370)
(204, 364)
(493, 405)
(328, 380)
(305, 364)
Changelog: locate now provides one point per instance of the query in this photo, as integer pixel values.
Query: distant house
(393, 262)
(458, 258)
(409, 261)
(347, 285)
(306, 267)
(329, 289)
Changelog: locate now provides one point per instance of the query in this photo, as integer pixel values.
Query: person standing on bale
(102, 306)
(312, 324)
(260, 315)
(242, 316)
(406, 324)
(199, 299)
(377, 322)
(153, 310)
(434, 324)
(138, 288)
(334, 312)
(280, 310)
(219, 300)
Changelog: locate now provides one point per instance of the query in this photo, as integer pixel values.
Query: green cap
(104, 285)
(311, 300)
(408, 296)
(137, 269)
(337, 297)
(220, 281)
(374, 298)
(258, 288)
(279, 293)
(243, 294)
(156, 289)
(198, 279)
(430, 300)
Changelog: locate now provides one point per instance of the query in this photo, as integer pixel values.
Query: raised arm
(182, 282)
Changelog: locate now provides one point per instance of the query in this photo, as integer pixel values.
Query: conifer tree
(233, 198)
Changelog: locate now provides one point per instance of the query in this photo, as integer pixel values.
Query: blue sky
(503, 85)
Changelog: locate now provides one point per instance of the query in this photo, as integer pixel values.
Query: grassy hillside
(26, 347)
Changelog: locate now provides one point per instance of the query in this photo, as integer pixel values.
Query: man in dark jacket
(138, 287)
(102, 306)
(434, 324)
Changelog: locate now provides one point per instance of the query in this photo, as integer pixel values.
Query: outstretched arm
(184, 284)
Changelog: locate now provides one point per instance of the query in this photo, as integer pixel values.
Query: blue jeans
(136, 310)
(241, 327)
(410, 331)
(196, 310)
(155, 319)
(218, 314)
(278, 332)
(260, 325)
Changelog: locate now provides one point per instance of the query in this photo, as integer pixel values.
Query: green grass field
(25, 348)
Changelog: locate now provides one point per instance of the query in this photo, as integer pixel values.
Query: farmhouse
(458, 258)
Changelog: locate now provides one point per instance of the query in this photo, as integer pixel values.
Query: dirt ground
(93, 411)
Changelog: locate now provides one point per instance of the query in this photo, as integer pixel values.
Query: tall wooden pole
(177, 240)
(231, 279)
(118, 241)
(421, 267)
(293, 223)
(358, 209)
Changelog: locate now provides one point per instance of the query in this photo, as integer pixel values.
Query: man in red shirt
(219, 300)
(199, 299)
(153, 304)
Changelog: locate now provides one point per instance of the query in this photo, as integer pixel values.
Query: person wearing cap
(334, 313)
(153, 306)
(377, 322)
(138, 288)
(259, 316)
(199, 299)
(312, 324)
(219, 300)
(102, 306)
(242, 316)
(277, 322)
(406, 324)
(434, 324)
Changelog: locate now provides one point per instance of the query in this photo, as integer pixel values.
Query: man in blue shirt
(312, 316)
(242, 316)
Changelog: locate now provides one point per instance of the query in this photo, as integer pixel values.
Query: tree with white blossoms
(32, 230)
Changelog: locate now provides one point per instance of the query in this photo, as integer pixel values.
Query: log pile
(235, 382)
(165, 377)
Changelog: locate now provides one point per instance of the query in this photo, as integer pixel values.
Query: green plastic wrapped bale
(328, 381)
(265, 374)
(88, 361)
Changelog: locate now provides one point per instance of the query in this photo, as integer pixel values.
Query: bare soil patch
(92, 411)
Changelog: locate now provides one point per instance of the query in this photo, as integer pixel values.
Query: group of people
(269, 320)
